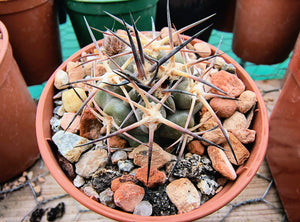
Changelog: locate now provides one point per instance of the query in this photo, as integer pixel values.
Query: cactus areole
(153, 89)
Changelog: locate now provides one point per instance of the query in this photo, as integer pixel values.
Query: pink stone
(66, 120)
(228, 82)
(156, 177)
(128, 196)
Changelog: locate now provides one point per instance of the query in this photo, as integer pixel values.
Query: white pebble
(144, 208)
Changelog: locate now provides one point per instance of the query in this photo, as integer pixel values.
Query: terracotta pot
(265, 31)
(34, 36)
(231, 190)
(18, 145)
(283, 153)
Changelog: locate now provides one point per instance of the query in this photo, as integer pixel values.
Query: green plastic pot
(94, 11)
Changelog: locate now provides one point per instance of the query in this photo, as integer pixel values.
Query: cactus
(152, 89)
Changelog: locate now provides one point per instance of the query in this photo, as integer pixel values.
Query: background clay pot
(283, 153)
(34, 35)
(231, 190)
(265, 31)
(18, 145)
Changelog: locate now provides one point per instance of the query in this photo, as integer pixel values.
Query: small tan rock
(221, 163)
(207, 122)
(195, 147)
(216, 136)
(240, 151)
(66, 120)
(164, 32)
(37, 189)
(90, 192)
(236, 121)
(184, 195)
(224, 108)
(246, 101)
(159, 156)
(75, 71)
(245, 136)
(228, 82)
(99, 69)
(203, 49)
(71, 101)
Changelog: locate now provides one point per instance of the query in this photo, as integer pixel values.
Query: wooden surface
(248, 206)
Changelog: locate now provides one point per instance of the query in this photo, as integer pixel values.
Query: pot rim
(245, 172)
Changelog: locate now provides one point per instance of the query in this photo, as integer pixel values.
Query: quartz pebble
(90, 192)
(125, 165)
(61, 79)
(159, 156)
(128, 196)
(117, 156)
(155, 179)
(78, 181)
(240, 151)
(221, 163)
(90, 161)
(228, 82)
(144, 208)
(66, 143)
(183, 195)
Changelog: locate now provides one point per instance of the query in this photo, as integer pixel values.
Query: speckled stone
(66, 143)
(125, 165)
(106, 197)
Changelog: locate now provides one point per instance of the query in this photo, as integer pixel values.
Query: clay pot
(265, 31)
(283, 150)
(34, 35)
(18, 145)
(231, 190)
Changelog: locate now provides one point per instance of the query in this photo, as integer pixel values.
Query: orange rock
(128, 196)
(216, 136)
(221, 163)
(156, 177)
(245, 136)
(116, 141)
(116, 183)
(195, 147)
(224, 107)
(89, 125)
(240, 151)
(228, 82)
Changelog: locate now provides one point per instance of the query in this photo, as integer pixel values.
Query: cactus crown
(152, 89)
